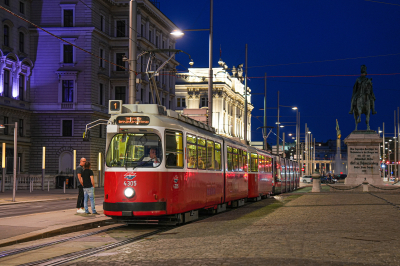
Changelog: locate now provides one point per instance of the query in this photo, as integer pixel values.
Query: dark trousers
(81, 196)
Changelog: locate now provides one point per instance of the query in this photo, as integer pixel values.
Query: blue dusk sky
(311, 50)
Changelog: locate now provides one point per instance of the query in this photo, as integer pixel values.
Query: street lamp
(210, 70)
(15, 157)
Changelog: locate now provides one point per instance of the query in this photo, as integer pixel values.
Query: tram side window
(210, 155)
(240, 153)
(174, 149)
(245, 166)
(268, 165)
(217, 156)
(254, 162)
(278, 172)
(261, 163)
(201, 153)
(230, 163)
(235, 159)
(192, 151)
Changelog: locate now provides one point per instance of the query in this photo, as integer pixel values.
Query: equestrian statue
(363, 98)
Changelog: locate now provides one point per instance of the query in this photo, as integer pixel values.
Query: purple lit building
(54, 88)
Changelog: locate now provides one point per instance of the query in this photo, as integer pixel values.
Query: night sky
(312, 39)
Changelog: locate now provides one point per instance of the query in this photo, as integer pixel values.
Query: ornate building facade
(228, 100)
(54, 88)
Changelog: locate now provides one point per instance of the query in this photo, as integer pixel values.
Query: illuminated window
(174, 149)
(192, 151)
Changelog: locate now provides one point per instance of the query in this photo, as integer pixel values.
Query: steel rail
(26, 249)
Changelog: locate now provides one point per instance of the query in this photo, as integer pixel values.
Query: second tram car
(164, 166)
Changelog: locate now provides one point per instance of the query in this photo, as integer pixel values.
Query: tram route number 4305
(130, 183)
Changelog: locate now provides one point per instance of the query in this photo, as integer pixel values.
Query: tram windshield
(134, 150)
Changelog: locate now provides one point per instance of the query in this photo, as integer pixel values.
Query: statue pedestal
(363, 157)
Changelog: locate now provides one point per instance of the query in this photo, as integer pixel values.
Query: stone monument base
(363, 158)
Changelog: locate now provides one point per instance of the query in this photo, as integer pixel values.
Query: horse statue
(363, 98)
(363, 103)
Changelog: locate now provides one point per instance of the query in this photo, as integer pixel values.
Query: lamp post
(15, 156)
(210, 70)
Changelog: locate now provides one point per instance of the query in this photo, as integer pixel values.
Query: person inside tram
(192, 162)
(152, 158)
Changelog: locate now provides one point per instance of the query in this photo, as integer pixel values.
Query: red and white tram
(164, 166)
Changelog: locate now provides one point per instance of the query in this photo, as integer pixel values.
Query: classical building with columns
(53, 89)
(228, 100)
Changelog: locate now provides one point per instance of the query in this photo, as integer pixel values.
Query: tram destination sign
(133, 120)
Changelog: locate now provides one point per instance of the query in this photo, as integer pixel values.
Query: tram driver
(152, 158)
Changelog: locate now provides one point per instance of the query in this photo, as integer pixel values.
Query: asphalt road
(38, 207)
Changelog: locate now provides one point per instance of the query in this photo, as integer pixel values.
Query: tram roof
(169, 119)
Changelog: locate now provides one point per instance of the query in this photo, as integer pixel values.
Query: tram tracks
(70, 256)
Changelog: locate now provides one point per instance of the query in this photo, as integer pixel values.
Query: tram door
(283, 175)
(277, 176)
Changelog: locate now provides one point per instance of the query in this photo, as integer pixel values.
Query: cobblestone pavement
(296, 229)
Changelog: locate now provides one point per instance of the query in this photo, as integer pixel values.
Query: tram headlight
(129, 192)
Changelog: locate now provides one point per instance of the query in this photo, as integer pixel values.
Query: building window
(21, 42)
(156, 41)
(149, 35)
(68, 54)
(163, 44)
(101, 55)
(163, 101)
(100, 131)
(141, 30)
(120, 62)
(102, 23)
(142, 95)
(181, 102)
(67, 90)
(21, 87)
(120, 92)
(204, 102)
(67, 128)
(6, 83)
(5, 121)
(21, 7)
(21, 127)
(150, 99)
(120, 28)
(68, 18)
(7, 2)
(101, 93)
(6, 32)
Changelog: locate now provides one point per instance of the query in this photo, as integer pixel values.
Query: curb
(59, 231)
(31, 201)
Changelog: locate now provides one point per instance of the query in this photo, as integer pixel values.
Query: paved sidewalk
(22, 196)
(299, 229)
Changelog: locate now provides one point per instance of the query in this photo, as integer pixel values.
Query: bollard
(365, 185)
(30, 186)
(64, 187)
(316, 182)
(48, 185)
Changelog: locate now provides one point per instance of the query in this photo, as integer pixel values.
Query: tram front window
(134, 150)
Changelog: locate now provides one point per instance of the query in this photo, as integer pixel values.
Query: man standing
(79, 171)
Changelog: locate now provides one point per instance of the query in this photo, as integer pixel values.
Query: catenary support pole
(265, 114)
(132, 50)
(210, 70)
